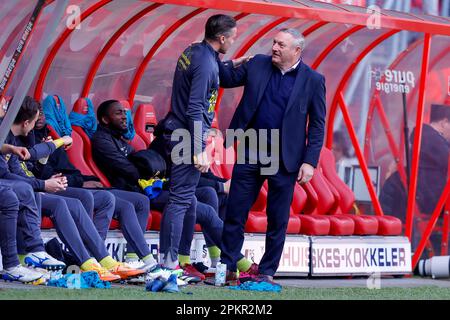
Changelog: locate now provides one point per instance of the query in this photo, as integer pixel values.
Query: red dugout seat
(318, 192)
(46, 223)
(314, 225)
(80, 106)
(156, 221)
(74, 154)
(145, 122)
(364, 224)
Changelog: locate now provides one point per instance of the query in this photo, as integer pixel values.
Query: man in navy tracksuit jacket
(282, 93)
(194, 94)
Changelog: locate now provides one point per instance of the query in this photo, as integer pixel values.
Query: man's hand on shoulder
(241, 60)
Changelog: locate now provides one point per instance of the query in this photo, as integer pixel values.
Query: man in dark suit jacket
(280, 93)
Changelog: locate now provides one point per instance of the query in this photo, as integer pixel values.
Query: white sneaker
(43, 260)
(135, 263)
(22, 274)
(158, 273)
(46, 275)
(150, 266)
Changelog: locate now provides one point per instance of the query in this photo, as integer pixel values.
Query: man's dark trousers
(246, 183)
(184, 178)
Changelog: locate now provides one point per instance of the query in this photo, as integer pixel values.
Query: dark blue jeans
(246, 183)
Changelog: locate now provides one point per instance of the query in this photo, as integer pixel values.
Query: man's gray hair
(299, 39)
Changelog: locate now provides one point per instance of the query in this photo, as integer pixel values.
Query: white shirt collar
(291, 68)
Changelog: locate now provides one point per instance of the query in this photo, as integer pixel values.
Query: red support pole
(445, 225)
(141, 69)
(376, 96)
(98, 60)
(391, 141)
(388, 22)
(58, 43)
(437, 58)
(359, 155)
(333, 45)
(417, 137)
(431, 224)
(348, 73)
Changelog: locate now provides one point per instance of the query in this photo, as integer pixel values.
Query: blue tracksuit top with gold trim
(194, 91)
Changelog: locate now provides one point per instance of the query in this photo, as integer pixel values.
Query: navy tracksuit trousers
(130, 208)
(27, 218)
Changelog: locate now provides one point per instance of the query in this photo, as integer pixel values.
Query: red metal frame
(141, 69)
(335, 103)
(359, 154)
(417, 137)
(327, 15)
(399, 154)
(412, 96)
(431, 224)
(346, 77)
(98, 60)
(445, 229)
(59, 42)
(333, 45)
(376, 103)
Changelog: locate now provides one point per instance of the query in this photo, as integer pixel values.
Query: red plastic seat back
(81, 106)
(76, 155)
(327, 164)
(312, 199)
(145, 122)
(298, 200)
(87, 153)
(337, 197)
(326, 201)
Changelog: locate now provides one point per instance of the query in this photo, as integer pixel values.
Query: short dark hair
(439, 112)
(103, 109)
(28, 110)
(218, 25)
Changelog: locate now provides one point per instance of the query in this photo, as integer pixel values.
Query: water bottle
(221, 274)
